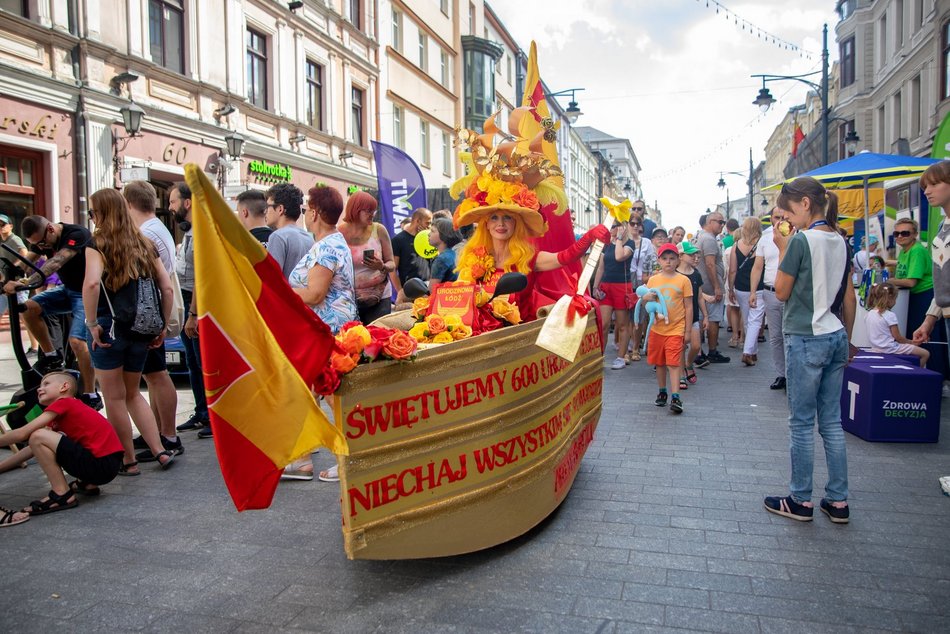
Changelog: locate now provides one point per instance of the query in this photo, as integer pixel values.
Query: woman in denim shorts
(121, 254)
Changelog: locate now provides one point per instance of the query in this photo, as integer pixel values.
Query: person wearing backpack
(127, 300)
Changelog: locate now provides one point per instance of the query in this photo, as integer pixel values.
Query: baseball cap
(5, 219)
(872, 239)
(658, 230)
(687, 248)
(669, 247)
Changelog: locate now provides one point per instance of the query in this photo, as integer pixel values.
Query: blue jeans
(193, 360)
(814, 368)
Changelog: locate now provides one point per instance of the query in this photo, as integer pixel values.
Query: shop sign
(271, 172)
(127, 174)
(44, 128)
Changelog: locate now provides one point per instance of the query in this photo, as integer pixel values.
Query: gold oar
(560, 334)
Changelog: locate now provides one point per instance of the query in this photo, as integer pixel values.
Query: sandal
(683, 384)
(78, 486)
(52, 503)
(330, 475)
(691, 375)
(124, 470)
(169, 459)
(634, 356)
(7, 519)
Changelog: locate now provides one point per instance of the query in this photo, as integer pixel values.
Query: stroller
(30, 379)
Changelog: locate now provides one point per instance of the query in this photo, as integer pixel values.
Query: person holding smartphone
(372, 254)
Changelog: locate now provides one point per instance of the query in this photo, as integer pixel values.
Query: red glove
(575, 251)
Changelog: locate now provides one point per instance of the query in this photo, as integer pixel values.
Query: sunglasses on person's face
(636, 224)
(903, 234)
(638, 208)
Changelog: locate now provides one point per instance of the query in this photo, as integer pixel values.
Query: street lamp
(572, 112)
(765, 100)
(722, 183)
(235, 144)
(851, 142)
(132, 116)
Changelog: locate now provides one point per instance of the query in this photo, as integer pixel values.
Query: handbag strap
(105, 291)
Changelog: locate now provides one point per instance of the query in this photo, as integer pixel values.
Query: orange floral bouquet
(356, 344)
(480, 263)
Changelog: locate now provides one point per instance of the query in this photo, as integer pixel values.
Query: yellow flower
(481, 297)
(484, 181)
(496, 192)
(511, 189)
(419, 307)
(418, 332)
(465, 206)
(443, 337)
(461, 332)
(453, 321)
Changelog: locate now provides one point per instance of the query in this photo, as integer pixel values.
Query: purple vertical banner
(401, 187)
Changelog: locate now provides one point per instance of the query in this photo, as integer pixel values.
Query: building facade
(299, 86)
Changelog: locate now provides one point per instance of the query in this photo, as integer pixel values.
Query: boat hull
(472, 444)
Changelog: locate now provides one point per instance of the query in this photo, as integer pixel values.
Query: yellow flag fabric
(261, 349)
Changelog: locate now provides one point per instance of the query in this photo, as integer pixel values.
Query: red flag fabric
(261, 348)
(797, 139)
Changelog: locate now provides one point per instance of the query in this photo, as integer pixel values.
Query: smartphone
(369, 254)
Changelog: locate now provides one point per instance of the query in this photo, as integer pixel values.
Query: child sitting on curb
(67, 435)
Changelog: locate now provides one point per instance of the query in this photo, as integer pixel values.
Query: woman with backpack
(127, 298)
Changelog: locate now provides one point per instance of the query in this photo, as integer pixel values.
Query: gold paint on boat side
(529, 416)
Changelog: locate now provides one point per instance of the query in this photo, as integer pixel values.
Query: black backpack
(137, 310)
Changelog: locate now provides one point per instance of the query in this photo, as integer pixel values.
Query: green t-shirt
(915, 263)
(728, 241)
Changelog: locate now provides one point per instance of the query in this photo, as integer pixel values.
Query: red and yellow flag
(261, 349)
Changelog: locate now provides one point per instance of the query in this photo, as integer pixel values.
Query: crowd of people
(665, 296)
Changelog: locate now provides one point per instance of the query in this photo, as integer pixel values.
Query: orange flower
(435, 324)
(503, 309)
(400, 346)
(354, 340)
(478, 271)
(343, 363)
(526, 198)
(480, 252)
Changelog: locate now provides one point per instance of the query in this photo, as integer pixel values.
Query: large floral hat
(506, 178)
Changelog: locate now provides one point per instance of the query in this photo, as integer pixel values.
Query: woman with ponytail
(812, 278)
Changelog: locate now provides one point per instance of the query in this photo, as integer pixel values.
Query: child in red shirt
(67, 435)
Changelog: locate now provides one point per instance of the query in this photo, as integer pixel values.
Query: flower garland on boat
(356, 344)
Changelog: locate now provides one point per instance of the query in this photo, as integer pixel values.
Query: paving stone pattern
(664, 530)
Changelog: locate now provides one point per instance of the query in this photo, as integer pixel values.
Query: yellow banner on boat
(469, 446)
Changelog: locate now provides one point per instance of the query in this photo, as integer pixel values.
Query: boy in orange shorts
(667, 337)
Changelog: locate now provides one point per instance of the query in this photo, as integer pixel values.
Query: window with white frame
(446, 154)
(356, 115)
(166, 25)
(444, 68)
(399, 129)
(424, 142)
(314, 94)
(257, 68)
(397, 30)
(423, 51)
(356, 13)
(444, 6)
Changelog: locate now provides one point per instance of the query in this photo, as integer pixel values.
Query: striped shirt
(817, 260)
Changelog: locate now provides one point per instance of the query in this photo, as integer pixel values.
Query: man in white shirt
(774, 307)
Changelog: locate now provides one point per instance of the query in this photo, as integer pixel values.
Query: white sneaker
(945, 484)
(618, 364)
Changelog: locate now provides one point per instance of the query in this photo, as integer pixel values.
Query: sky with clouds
(673, 76)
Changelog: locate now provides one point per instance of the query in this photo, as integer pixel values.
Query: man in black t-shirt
(410, 264)
(250, 210)
(64, 246)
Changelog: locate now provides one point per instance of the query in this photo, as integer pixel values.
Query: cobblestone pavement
(663, 531)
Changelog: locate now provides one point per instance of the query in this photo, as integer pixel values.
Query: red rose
(327, 382)
(481, 198)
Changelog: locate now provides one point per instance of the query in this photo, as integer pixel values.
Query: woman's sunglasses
(903, 234)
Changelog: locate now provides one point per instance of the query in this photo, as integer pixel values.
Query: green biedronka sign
(270, 171)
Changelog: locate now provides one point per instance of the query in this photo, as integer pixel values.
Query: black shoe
(139, 443)
(716, 357)
(787, 507)
(94, 401)
(195, 422)
(173, 446)
(661, 399)
(701, 361)
(836, 515)
(676, 405)
(761, 339)
(205, 432)
(778, 384)
(49, 363)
